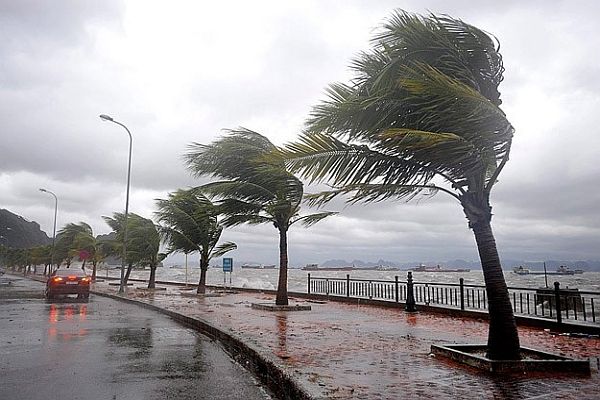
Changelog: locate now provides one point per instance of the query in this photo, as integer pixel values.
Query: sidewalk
(341, 351)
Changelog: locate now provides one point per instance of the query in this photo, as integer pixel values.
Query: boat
(437, 268)
(257, 266)
(562, 270)
(315, 267)
(520, 270)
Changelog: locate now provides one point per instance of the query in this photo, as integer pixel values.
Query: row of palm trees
(187, 223)
(421, 117)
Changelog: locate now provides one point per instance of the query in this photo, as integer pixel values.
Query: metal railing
(552, 303)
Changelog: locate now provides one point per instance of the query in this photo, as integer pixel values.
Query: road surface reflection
(65, 321)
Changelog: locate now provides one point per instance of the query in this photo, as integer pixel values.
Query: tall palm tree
(421, 117)
(189, 224)
(253, 190)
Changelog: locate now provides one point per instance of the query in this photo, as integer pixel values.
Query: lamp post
(54, 229)
(105, 117)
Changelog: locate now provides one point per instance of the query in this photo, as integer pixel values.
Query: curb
(279, 381)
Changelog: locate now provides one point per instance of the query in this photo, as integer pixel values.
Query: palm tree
(66, 239)
(79, 240)
(41, 255)
(189, 224)
(421, 117)
(253, 190)
(142, 242)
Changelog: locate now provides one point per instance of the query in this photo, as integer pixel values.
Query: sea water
(297, 278)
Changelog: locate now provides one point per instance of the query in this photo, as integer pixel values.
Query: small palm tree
(254, 190)
(41, 255)
(143, 243)
(144, 240)
(189, 224)
(67, 240)
(421, 117)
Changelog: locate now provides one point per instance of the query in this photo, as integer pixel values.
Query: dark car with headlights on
(68, 281)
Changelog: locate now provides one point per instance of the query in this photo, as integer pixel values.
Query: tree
(41, 255)
(253, 189)
(189, 224)
(66, 242)
(421, 117)
(77, 240)
(142, 242)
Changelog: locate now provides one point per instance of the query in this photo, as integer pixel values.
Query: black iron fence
(553, 303)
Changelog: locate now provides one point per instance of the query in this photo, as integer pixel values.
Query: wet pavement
(106, 349)
(343, 351)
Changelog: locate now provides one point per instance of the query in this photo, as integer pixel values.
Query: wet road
(104, 349)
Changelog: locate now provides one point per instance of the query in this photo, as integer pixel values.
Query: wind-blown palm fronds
(421, 117)
(188, 224)
(252, 188)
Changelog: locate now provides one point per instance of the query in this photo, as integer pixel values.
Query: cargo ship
(437, 268)
(257, 266)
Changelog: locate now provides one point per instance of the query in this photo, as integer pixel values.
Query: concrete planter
(274, 307)
(532, 361)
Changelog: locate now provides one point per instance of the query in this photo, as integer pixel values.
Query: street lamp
(105, 117)
(54, 230)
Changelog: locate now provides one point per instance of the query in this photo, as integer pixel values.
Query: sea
(297, 278)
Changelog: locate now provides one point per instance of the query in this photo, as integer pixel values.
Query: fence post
(308, 283)
(462, 294)
(347, 285)
(327, 286)
(396, 283)
(410, 295)
(557, 301)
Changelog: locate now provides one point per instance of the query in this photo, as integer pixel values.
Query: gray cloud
(180, 73)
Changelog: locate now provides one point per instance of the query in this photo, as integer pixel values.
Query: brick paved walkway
(341, 351)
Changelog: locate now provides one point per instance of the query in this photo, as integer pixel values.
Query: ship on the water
(562, 270)
(315, 267)
(437, 268)
(258, 266)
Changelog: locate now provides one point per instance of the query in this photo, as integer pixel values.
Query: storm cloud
(180, 72)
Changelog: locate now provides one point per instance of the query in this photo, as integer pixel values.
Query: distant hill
(17, 232)
(587, 265)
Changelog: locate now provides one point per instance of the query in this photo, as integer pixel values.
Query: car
(68, 281)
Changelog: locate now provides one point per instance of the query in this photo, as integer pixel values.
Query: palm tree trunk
(503, 338)
(94, 265)
(282, 296)
(152, 279)
(203, 268)
(127, 273)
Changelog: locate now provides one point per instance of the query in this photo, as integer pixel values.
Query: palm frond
(311, 219)
(319, 157)
(223, 249)
(251, 219)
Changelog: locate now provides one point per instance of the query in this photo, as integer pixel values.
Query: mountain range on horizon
(586, 265)
(18, 232)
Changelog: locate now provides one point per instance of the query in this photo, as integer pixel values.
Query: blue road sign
(227, 264)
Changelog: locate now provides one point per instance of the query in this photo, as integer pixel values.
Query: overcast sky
(177, 72)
